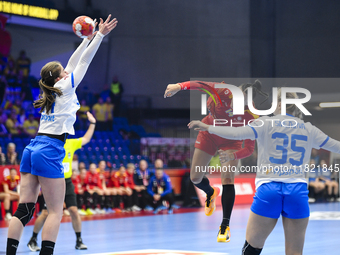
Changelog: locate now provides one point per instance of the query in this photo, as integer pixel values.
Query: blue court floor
(187, 232)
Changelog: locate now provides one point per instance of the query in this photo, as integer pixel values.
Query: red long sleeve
(245, 152)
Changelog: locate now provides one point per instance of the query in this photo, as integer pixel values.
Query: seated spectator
(13, 125)
(79, 188)
(94, 189)
(109, 114)
(3, 88)
(141, 179)
(160, 190)
(108, 191)
(2, 157)
(123, 189)
(23, 64)
(6, 199)
(17, 106)
(81, 166)
(332, 186)
(31, 126)
(130, 170)
(111, 191)
(10, 72)
(11, 156)
(11, 185)
(3, 129)
(316, 185)
(82, 115)
(99, 111)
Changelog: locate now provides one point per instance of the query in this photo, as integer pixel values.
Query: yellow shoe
(223, 234)
(210, 204)
(89, 211)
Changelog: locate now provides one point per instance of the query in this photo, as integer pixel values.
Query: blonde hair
(130, 165)
(48, 73)
(290, 108)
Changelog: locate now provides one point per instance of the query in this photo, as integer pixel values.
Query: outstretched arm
(172, 89)
(74, 59)
(232, 133)
(86, 58)
(332, 145)
(88, 135)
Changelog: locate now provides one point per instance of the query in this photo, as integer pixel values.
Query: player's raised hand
(198, 125)
(171, 90)
(90, 37)
(90, 117)
(107, 26)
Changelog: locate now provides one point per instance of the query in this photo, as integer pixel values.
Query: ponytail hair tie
(50, 73)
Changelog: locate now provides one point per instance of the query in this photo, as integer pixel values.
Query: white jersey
(62, 116)
(284, 148)
(63, 113)
(284, 145)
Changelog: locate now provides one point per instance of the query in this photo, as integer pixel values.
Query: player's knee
(226, 181)
(73, 210)
(250, 250)
(195, 179)
(25, 212)
(44, 213)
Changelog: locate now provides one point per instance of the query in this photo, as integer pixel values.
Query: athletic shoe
(175, 206)
(117, 210)
(66, 212)
(311, 200)
(157, 210)
(128, 209)
(99, 211)
(170, 211)
(109, 210)
(32, 244)
(338, 199)
(210, 205)
(8, 216)
(90, 211)
(82, 212)
(135, 208)
(223, 234)
(80, 245)
(148, 208)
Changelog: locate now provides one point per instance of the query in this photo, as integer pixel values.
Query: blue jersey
(160, 186)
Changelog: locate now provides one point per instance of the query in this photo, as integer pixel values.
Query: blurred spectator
(116, 96)
(31, 126)
(75, 164)
(12, 125)
(141, 180)
(130, 170)
(22, 118)
(17, 106)
(6, 199)
(10, 72)
(316, 186)
(111, 191)
(12, 184)
(23, 64)
(11, 155)
(94, 190)
(84, 108)
(158, 164)
(2, 157)
(82, 166)
(315, 156)
(123, 189)
(109, 114)
(106, 93)
(174, 162)
(332, 186)
(26, 93)
(98, 111)
(79, 189)
(3, 87)
(3, 129)
(160, 190)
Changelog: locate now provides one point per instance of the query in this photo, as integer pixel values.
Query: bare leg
(258, 229)
(200, 160)
(295, 230)
(6, 198)
(76, 221)
(39, 222)
(54, 194)
(29, 191)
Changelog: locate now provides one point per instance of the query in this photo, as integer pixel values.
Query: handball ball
(83, 26)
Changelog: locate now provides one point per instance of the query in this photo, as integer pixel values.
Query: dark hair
(48, 73)
(257, 85)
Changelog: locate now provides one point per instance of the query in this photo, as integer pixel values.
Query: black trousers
(168, 197)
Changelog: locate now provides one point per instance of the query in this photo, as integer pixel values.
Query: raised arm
(332, 145)
(87, 56)
(172, 89)
(231, 133)
(74, 59)
(89, 133)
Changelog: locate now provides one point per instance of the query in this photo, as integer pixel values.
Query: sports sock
(107, 202)
(47, 248)
(205, 186)
(35, 235)
(250, 250)
(7, 211)
(228, 199)
(78, 235)
(12, 246)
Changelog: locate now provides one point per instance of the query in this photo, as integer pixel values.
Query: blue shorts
(275, 198)
(44, 157)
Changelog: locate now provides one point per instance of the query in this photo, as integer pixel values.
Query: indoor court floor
(187, 231)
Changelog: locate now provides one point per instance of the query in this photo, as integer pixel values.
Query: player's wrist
(94, 123)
